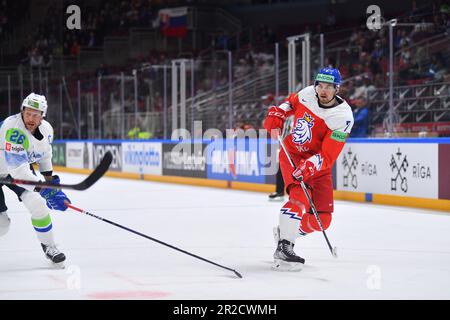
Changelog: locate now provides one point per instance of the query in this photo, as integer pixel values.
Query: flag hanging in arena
(173, 21)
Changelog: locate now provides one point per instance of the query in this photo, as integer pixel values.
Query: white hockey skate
(54, 255)
(284, 256)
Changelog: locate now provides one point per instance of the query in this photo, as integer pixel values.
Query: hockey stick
(313, 208)
(150, 238)
(99, 171)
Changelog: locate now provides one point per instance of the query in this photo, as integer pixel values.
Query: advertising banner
(59, 154)
(77, 155)
(99, 150)
(142, 157)
(272, 152)
(444, 171)
(244, 160)
(405, 169)
(184, 160)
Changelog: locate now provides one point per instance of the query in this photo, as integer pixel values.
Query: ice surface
(384, 252)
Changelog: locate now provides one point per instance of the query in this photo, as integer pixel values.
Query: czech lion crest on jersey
(302, 133)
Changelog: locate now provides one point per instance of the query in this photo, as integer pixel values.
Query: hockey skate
(4, 223)
(276, 196)
(284, 256)
(54, 255)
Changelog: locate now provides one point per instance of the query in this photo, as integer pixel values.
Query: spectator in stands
(378, 81)
(3, 22)
(446, 78)
(47, 59)
(221, 41)
(92, 41)
(136, 133)
(239, 125)
(405, 55)
(267, 101)
(36, 59)
(402, 39)
(378, 51)
(331, 19)
(369, 83)
(375, 67)
(345, 89)
(75, 49)
(12, 13)
(101, 70)
(437, 67)
(361, 88)
(361, 116)
(248, 126)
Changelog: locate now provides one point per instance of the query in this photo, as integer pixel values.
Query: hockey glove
(304, 170)
(275, 119)
(55, 197)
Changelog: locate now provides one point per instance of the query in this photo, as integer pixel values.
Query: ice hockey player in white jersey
(25, 138)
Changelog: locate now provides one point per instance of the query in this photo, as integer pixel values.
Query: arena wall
(403, 172)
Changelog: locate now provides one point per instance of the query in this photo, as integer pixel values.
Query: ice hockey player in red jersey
(322, 122)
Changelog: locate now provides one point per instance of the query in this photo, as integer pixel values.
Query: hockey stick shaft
(150, 238)
(99, 171)
(311, 203)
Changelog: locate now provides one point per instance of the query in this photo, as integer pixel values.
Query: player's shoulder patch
(339, 136)
(17, 137)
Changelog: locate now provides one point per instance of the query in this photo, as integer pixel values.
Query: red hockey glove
(275, 119)
(304, 171)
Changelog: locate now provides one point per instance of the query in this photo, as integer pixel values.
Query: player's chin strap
(313, 208)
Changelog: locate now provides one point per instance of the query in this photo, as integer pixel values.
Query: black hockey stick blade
(99, 171)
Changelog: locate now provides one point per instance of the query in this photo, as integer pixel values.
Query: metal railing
(109, 107)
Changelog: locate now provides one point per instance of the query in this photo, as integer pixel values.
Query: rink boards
(409, 172)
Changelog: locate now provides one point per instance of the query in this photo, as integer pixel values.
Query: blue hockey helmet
(328, 75)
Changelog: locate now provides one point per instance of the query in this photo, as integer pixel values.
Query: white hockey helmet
(35, 101)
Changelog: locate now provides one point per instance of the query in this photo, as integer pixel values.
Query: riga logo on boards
(350, 163)
(389, 168)
(420, 171)
(399, 165)
(8, 146)
(368, 169)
